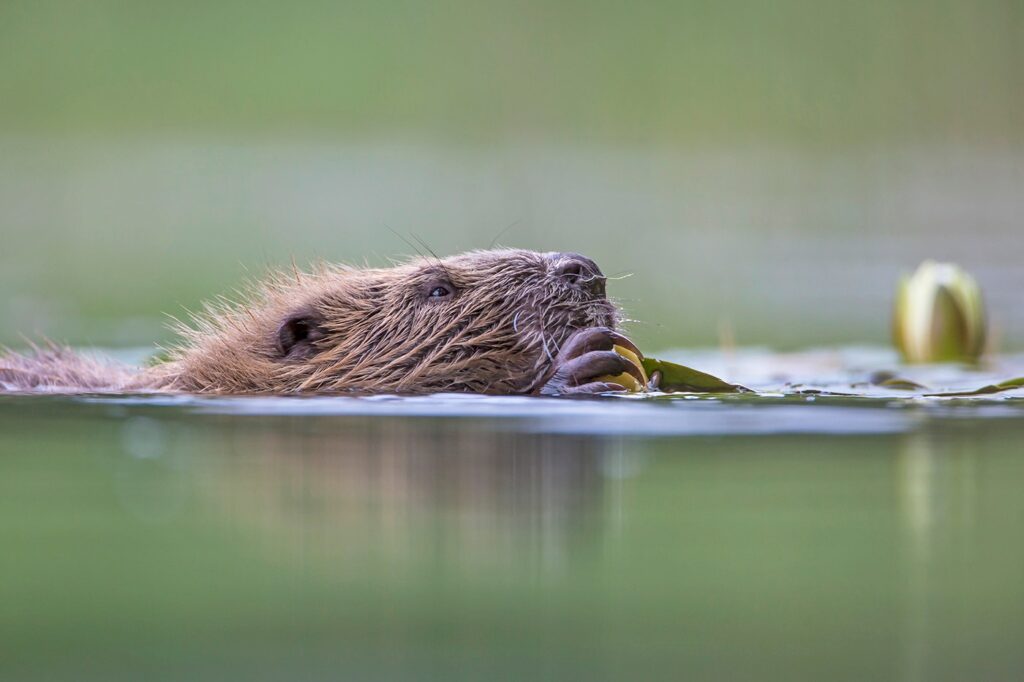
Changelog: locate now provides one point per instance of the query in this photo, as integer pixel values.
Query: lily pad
(1007, 385)
(890, 380)
(681, 379)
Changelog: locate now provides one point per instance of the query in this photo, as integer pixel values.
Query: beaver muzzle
(587, 361)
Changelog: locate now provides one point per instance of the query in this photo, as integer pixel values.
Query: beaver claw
(586, 356)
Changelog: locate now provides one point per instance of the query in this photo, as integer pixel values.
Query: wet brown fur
(366, 329)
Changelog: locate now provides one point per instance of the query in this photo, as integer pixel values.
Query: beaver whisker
(407, 242)
(437, 258)
(503, 231)
(544, 344)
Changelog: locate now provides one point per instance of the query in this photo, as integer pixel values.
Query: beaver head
(484, 322)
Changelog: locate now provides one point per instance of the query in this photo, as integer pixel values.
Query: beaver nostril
(572, 271)
(581, 272)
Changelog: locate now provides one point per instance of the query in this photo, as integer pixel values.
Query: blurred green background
(764, 170)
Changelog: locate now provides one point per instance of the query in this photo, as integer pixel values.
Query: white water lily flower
(939, 315)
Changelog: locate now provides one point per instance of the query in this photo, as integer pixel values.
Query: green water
(469, 538)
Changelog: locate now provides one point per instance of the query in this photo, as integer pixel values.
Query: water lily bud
(939, 315)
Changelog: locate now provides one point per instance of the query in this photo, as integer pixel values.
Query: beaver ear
(298, 334)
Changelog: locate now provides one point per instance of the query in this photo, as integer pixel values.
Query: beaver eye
(440, 291)
(437, 288)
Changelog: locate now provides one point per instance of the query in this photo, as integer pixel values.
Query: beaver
(502, 321)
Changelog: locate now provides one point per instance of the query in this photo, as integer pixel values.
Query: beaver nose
(581, 272)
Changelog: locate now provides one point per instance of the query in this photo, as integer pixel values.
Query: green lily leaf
(984, 390)
(887, 379)
(900, 384)
(679, 379)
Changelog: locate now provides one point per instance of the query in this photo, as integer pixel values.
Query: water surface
(799, 537)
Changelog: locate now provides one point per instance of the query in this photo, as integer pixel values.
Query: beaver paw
(586, 356)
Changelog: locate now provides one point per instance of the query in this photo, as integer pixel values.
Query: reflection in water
(153, 481)
(917, 494)
(402, 488)
(939, 498)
